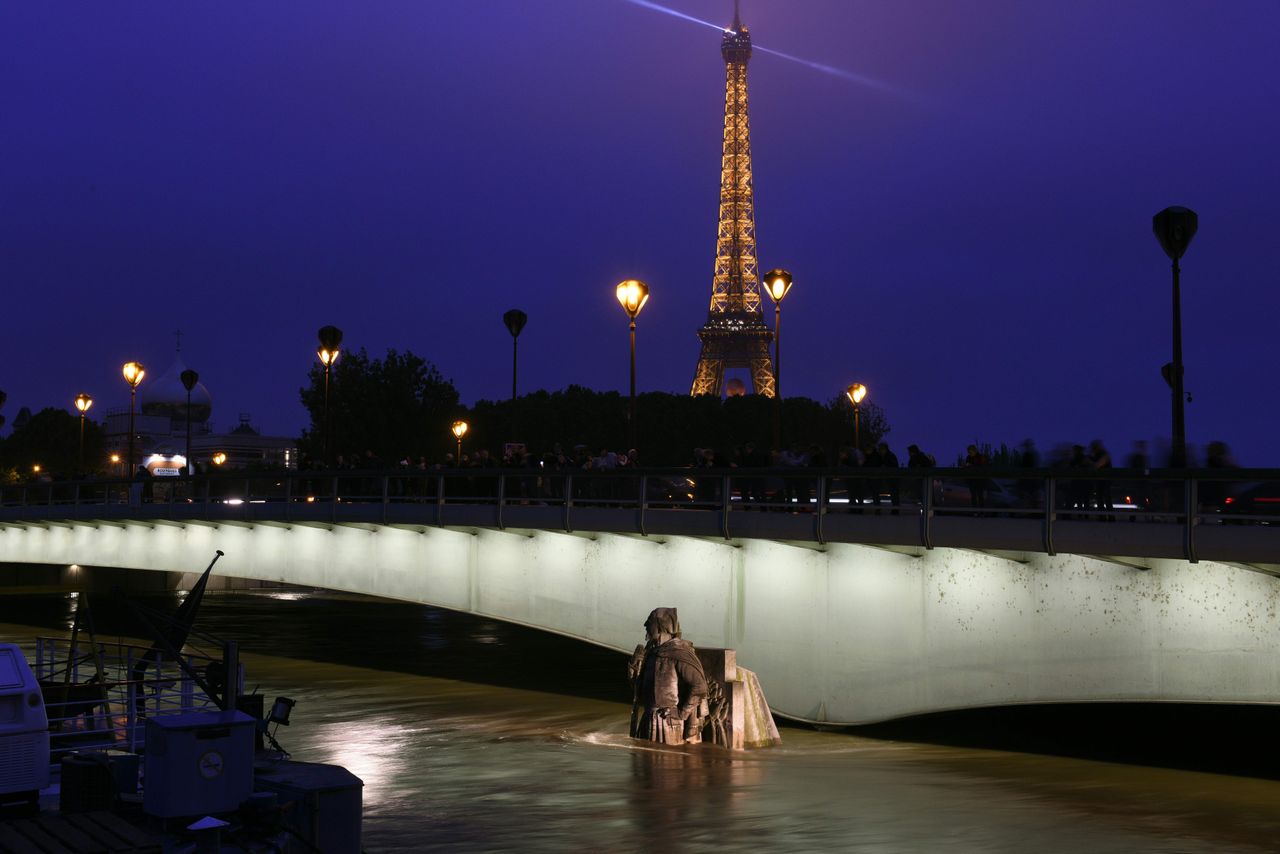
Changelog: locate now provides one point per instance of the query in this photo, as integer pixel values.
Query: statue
(669, 685)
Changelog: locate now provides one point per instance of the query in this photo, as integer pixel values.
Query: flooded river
(475, 735)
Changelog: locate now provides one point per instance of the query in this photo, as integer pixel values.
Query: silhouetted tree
(396, 406)
(50, 439)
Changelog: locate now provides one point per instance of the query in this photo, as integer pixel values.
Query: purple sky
(977, 250)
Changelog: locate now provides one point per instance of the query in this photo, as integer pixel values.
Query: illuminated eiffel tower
(735, 335)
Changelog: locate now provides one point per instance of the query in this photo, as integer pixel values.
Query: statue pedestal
(748, 722)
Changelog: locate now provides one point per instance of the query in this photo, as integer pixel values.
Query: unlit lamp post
(515, 319)
(133, 374)
(777, 282)
(1174, 227)
(632, 295)
(83, 402)
(330, 347)
(856, 393)
(459, 429)
(189, 380)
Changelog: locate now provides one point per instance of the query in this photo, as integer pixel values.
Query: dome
(166, 395)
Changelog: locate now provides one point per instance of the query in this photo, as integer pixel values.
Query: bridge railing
(1009, 507)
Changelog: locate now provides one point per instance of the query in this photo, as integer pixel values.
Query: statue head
(662, 625)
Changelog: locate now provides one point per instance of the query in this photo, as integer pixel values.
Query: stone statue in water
(669, 685)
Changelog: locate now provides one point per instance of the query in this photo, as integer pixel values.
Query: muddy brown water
(472, 735)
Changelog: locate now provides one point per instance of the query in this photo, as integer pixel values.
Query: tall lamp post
(856, 393)
(83, 402)
(330, 347)
(777, 283)
(133, 374)
(189, 380)
(459, 429)
(632, 294)
(515, 321)
(1174, 227)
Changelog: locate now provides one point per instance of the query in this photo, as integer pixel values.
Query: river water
(475, 735)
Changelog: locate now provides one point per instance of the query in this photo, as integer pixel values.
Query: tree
(51, 439)
(395, 407)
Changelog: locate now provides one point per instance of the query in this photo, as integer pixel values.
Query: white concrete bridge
(848, 615)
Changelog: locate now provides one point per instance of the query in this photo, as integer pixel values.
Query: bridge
(857, 595)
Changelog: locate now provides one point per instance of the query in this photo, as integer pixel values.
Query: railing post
(288, 496)
(386, 484)
(926, 512)
(502, 498)
(644, 502)
(1050, 512)
(439, 498)
(821, 513)
(1191, 497)
(725, 496)
(568, 501)
(333, 499)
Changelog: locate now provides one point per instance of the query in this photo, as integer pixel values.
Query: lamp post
(189, 380)
(218, 458)
(459, 429)
(777, 282)
(515, 321)
(632, 294)
(133, 374)
(115, 464)
(1174, 227)
(856, 393)
(330, 344)
(83, 402)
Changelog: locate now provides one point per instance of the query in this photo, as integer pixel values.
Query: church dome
(168, 396)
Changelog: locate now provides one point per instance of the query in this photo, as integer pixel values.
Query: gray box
(197, 764)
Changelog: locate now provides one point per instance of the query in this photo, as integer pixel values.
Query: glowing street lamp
(856, 393)
(777, 282)
(632, 294)
(115, 463)
(459, 429)
(133, 374)
(330, 347)
(218, 458)
(83, 402)
(515, 321)
(189, 380)
(1174, 227)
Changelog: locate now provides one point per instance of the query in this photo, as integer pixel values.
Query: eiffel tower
(735, 335)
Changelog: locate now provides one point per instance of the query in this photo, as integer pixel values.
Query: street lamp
(83, 402)
(133, 374)
(330, 344)
(632, 294)
(189, 380)
(856, 393)
(515, 321)
(115, 464)
(459, 429)
(777, 282)
(1174, 227)
(218, 458)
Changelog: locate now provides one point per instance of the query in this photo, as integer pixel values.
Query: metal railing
(924, 507)
(98, 696)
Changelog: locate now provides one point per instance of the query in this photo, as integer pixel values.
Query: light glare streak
(843, 74)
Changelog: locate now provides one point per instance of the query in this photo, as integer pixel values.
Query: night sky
(972, 240)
